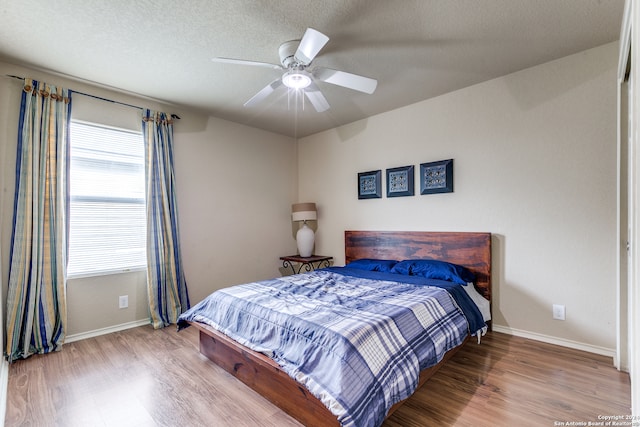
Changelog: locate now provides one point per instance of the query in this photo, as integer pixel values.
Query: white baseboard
(555, 340)
(4, 383)
(108, 330)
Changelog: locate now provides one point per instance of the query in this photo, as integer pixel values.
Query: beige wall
(534, 163)
(235, 188)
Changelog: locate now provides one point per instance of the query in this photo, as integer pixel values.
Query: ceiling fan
(295, 58)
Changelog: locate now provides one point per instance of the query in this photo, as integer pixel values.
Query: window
(107, 226)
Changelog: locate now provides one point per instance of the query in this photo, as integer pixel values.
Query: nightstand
(309, 263)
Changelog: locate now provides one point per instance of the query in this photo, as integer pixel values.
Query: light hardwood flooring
(141, 377)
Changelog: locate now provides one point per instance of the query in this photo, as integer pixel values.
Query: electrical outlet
(558, 312)
(123, 301)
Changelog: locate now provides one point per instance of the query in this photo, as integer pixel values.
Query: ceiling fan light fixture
(296, 79)
(295, 58)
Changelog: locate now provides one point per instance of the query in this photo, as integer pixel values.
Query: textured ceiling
(416, 49)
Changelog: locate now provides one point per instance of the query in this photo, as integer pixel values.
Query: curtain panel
(36, 300)
(167, 288)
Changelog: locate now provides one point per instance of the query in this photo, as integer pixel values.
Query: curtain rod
(173, 116)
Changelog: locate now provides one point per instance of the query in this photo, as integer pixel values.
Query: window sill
(104, 273)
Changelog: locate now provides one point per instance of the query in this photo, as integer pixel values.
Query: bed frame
(472, 250)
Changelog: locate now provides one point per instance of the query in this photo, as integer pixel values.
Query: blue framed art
(370, 185)
(436, 177)
(400, 181)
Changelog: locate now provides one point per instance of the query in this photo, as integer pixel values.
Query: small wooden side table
(309, 263)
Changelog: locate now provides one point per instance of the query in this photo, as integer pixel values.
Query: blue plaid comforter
(358, 344)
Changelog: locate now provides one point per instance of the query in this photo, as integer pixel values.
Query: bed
(301, 398)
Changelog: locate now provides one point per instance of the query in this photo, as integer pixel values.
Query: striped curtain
(36, 297)
(168, 296)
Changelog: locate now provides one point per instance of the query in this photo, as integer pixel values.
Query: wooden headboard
(471, 250)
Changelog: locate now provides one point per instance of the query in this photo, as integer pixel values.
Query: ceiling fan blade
(344, 79)
(245, 62)
(312, 42)
(316, 98)
(264, 92)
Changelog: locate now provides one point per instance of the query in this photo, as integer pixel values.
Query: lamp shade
(303, 212)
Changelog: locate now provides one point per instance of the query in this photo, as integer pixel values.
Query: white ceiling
(416, 49)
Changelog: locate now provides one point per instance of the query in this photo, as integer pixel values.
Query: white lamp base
(305, 239)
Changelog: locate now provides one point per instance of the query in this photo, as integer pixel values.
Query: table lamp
(304, 238)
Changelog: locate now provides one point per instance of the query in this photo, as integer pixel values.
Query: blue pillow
(432, 269)
(383, 265)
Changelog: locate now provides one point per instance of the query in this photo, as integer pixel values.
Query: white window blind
(107, 226)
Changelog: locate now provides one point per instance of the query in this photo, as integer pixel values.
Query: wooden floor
(141, 377)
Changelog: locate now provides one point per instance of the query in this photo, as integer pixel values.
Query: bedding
(383, 265)
(433, 269)
(462, 295)
(484, 306)
(355, 338)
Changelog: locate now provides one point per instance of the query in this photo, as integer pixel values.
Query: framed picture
(436, 177)
(400, 181)
(370, 185)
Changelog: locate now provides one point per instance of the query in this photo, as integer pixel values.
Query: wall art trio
(435, 177)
